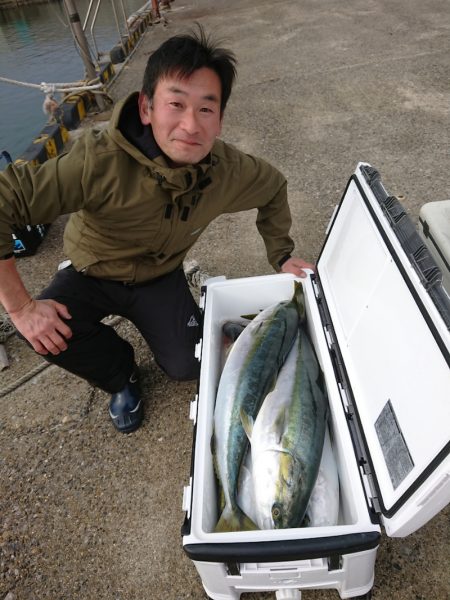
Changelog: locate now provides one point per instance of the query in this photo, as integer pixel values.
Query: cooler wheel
(367, 596)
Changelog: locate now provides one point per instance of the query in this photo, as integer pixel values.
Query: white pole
(80, 39)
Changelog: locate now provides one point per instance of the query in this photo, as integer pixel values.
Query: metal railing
(122, 22)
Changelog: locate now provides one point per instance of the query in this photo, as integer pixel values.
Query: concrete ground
(87, 513)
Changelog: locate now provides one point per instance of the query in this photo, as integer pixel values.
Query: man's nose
(189, 121)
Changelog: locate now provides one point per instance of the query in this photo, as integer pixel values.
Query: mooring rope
(6, 328)
(49, 88)
(29, 375)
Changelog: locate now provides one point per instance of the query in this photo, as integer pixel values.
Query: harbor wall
(8, 4)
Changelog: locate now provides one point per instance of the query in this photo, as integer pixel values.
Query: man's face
(184, 115)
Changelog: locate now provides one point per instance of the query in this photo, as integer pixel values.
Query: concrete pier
(89, 513)
(5, 4)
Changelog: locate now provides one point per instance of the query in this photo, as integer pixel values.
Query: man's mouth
(187, 142)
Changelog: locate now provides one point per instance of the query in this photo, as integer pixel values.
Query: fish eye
(276, 513)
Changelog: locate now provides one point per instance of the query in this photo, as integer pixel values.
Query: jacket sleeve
(274, 223)
(31, 195)
(257, 184)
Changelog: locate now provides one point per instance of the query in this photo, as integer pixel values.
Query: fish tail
(299, 299)
(234, 519)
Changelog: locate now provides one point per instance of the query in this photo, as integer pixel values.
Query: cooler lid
(390, 321)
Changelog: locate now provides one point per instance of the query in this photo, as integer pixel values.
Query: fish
(287, 439)
(245, 491)
(249, 373)
(232, 330)
(323, 505)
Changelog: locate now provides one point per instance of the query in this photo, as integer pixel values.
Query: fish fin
(234, 519)
(247, 423)
(306, 521)
(221, 498)
(214, 456)
(220, 492)
(281, 421)
(245, 472)
(212, 444)
(299, 299)
(249, 317)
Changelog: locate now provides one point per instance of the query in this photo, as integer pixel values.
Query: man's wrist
(14, 311)
(285, 258)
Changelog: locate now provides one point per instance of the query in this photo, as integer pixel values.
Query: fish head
(286, 489)
(275, 478)
(265, 472)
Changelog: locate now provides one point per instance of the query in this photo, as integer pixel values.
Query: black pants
(164, 312)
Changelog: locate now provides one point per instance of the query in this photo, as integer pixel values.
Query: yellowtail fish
(287, 439)
(249, 373)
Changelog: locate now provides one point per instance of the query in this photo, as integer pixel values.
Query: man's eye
(175, 104)
(206, 109)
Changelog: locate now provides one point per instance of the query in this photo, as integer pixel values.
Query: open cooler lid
(389, 327)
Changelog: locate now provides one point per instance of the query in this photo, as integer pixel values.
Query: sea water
(36, 45)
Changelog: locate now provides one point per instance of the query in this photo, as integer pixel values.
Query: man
(140, 194)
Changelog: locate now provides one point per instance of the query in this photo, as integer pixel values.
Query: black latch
(335, 562)
(233, 568)
(186, 527)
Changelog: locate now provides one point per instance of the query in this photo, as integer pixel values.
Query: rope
(16, 384)
(49, 88)
(6, 328)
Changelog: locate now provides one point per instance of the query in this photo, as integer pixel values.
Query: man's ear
(145, 110)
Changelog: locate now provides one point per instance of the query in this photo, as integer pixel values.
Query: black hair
(183, 54)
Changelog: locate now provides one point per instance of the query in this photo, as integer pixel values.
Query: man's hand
(40, 322)
(296, 266)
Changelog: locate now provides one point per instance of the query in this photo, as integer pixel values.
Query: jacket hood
(136, 139)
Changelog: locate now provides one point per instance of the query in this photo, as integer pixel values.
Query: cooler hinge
(193, 409)
(364, 467)
(347, 399)
(369, 489)
(202, 299)
(198, 350)
(333, 347)
(187, 497)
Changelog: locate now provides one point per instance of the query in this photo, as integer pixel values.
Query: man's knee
(179, 370)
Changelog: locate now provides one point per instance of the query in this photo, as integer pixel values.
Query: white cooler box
(434, 227)
(380, 328)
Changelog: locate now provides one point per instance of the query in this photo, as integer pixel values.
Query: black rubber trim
(283, 550)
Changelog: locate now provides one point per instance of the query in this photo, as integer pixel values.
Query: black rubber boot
(125, 408)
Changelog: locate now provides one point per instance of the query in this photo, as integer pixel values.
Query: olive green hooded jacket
(133, 217)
